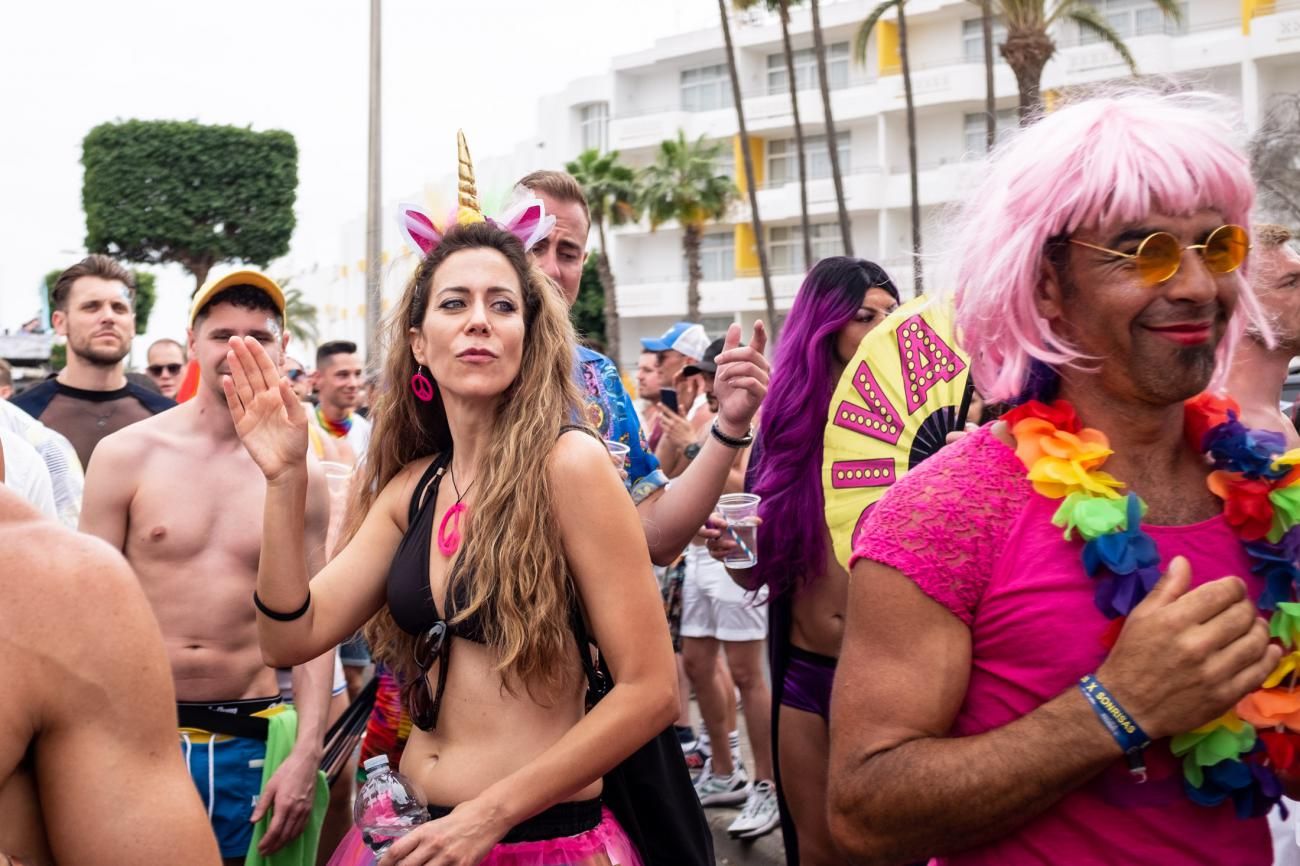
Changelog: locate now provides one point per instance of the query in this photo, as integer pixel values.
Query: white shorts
(285, 678)
(714, 605)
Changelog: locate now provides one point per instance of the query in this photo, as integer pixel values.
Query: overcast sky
(280, 64)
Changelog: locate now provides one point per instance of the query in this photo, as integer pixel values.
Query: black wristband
(730, 442)
(281, 617)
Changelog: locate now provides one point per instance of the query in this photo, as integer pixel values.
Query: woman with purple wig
(840, 301)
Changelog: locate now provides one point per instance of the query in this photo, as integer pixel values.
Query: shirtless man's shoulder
(89, 693)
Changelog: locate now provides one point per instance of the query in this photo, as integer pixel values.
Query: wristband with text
(1126, 731)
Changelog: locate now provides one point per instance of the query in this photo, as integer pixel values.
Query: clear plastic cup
(618, 452)
(740, 511)
(337, 476)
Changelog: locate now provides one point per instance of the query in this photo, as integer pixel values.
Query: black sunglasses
(157, 369)
(295, 375)
(433, 645)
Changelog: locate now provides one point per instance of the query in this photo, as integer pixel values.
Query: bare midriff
(485, 733)
(818, 611)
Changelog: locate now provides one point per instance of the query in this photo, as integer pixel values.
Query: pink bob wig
(1118, 158)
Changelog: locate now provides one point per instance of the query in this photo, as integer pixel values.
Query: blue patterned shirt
(607, 407)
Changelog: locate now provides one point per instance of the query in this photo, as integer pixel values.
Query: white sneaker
(715, 790)
(760, 815)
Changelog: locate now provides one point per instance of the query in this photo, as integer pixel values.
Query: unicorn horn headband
(525, 217)
(466, 190)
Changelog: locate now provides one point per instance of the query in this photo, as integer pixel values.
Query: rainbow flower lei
(1239, 754)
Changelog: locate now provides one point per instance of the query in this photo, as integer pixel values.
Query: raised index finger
(758, 342)
(732, 339)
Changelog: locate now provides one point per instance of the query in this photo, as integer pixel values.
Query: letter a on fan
(901, 394)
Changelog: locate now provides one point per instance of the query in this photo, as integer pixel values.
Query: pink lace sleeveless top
(970, 531)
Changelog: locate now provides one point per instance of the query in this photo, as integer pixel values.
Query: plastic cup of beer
(740, 511)
(618, 452)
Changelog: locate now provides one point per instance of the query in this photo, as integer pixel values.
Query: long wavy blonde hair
(512, 562)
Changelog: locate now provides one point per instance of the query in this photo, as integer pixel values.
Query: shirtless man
(88, 770)
(1258, 372)
(180, 497)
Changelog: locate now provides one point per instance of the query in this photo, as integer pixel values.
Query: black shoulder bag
(650, 793)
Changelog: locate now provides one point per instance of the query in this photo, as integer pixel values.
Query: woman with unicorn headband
(484, 534)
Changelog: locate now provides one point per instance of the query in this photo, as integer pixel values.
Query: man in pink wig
(1045, 662)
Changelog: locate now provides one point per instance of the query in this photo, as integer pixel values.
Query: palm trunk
(819, 49)
(691, 246)
(760, 240)
(990, 96)
(1027, 53)
(798, 136)
(606, 275)
(917, 286)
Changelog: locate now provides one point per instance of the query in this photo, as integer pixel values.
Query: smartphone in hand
(668, 399)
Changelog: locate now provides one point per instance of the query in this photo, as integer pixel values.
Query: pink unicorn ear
(528, 221)
(418, 228)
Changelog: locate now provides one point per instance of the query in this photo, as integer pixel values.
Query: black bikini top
(410, 599)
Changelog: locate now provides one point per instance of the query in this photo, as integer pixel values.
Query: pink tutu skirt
(606, 844)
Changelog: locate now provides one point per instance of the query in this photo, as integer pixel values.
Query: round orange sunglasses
(1160, 255)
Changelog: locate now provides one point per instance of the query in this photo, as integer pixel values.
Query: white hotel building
(1246, 49)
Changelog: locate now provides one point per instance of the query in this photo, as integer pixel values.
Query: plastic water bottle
(387, 807)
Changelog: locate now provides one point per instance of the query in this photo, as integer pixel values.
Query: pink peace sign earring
(421, 385)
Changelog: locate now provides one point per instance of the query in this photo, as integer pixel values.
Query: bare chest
(1177, 502)
(22, 832)
(187, 507)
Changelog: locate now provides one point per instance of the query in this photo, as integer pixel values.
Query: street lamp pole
(374, 232)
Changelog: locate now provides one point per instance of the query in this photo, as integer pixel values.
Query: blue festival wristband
(1118, 722)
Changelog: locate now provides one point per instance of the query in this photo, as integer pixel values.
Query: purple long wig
(792, 544)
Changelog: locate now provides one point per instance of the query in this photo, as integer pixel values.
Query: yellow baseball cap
(246, 277)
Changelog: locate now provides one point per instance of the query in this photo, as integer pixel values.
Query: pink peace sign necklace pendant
(449, 539)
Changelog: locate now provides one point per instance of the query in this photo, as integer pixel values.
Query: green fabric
(301, 851)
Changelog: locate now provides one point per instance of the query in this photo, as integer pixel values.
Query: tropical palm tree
(819, 49)
(990, 96)
(613, 196)
(299, 315)
(682, 185)
(1029, 45)
(860, 54)
(751, 188)
(782, 10)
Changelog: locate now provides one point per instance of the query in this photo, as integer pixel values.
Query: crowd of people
(1029, 659)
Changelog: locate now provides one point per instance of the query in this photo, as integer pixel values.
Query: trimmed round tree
(178, 191)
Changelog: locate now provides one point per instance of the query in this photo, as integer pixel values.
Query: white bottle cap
(375, 763)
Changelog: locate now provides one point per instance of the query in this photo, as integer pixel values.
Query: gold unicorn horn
(466, 191)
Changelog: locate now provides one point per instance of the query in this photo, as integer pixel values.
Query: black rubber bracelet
(282, 617)
(730, 442)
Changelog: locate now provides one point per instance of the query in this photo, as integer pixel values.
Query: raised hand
(741, 381)
(268, 417)
(1186, 657)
